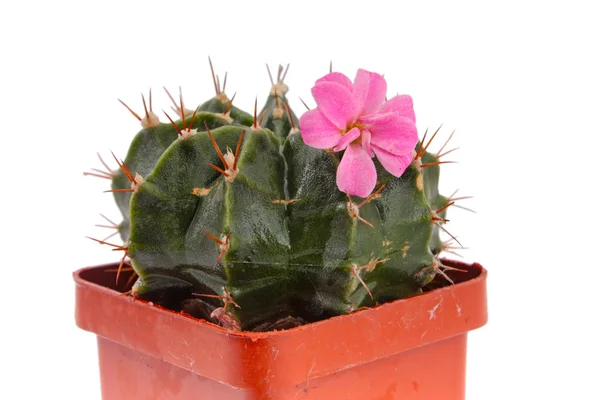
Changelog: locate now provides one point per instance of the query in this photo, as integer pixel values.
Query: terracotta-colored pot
(409, 349)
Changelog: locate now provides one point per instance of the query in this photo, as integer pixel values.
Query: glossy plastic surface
(410, 349)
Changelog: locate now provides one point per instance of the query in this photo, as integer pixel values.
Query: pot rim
(327, 346)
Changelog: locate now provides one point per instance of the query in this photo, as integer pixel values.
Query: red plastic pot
(409, 349)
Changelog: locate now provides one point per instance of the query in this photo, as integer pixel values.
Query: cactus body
(274, 237)
(150, 143)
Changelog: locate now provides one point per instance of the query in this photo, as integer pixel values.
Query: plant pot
(409, 349)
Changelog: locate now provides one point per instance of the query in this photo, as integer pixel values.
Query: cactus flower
(356, 118)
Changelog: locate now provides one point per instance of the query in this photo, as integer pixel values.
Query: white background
(518, 80)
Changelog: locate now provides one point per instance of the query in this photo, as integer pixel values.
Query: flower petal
(365, 141)
(336, 102)
(317, 131)
(356, 174)
(394, 164)
(337, 77)
(397, 134)
(402, 105)
(347, 139)
(377, 118)
(368, 91)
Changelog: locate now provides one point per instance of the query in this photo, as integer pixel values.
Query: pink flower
(356, 118)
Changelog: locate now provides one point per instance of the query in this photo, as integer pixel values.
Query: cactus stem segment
(116, 248)
(444, 146)
(353, 210)
(307, 107)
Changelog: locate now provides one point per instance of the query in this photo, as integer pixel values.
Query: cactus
(238, 221)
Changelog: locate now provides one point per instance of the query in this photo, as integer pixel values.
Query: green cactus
(238, 221)
(155, 137)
